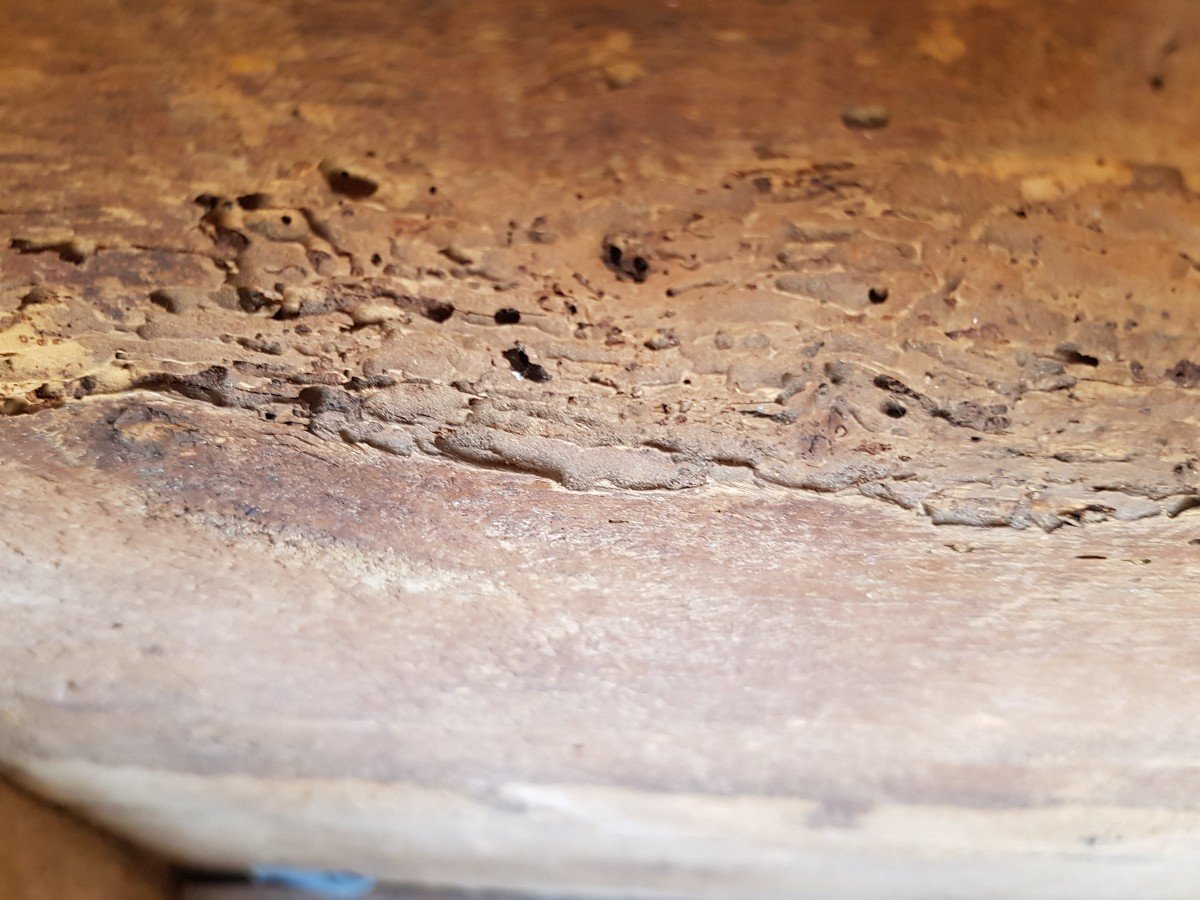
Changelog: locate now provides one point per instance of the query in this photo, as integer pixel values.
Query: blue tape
(336, 885)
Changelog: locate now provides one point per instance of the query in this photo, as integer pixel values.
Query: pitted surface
(513, 440)
(993, 333)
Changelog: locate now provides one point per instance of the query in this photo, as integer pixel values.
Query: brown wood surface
(827, 524)
(46, 854)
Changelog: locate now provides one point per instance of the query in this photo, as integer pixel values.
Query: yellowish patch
(613, 44)
(16, 78)
(942, 43)
(250, 64)
(623, 73)
(1041, 178)
(613, 55)
(1042, 188)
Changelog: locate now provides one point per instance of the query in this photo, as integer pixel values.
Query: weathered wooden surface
(562, 447)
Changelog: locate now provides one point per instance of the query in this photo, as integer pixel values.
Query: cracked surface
(637, 289)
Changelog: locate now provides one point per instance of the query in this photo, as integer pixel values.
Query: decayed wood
(720, 449)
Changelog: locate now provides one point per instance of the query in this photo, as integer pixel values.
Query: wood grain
(592, 447)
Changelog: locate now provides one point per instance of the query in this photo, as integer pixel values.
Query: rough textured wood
(611, 285)
(47, 855)
(733, 449)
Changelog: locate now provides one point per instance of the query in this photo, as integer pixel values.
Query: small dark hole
(356, 187)
(523, 366)
(640, 265)
(209, 201)
(893, 409)
(1071, 355)
(376, 259)
(877, 294)
(1156, 82)
(252, 201)
(286, 220)
(1021, 214)
(270, 416)
(507, 316)
(439, 312)
(614, 254)
(433, 189)
(1090, 556)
